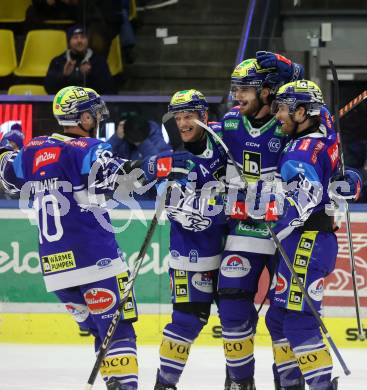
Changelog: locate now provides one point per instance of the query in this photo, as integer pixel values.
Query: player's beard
(251, 108)
(289, 127)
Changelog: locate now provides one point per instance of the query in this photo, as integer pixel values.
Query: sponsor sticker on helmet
(99, 300)
(234, 266)
(203, 282)
(316, 289)
(78, 311)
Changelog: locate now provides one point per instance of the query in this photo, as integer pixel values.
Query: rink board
(22, 284)
(41, 328)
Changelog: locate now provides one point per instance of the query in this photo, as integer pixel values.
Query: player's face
(248, 100)
(88, 122)
(288, 125)
(189, 130)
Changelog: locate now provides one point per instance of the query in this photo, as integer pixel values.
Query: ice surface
(54, 367)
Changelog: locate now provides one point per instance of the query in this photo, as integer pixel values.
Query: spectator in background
(127, 34)
(42, 10)
(137, 138)
(79, 65)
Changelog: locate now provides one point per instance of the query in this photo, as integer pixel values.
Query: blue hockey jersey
(306, 165)
(256, 152)
(54, 172)
(195, 212)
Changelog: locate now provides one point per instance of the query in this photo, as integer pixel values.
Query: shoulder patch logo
(333, 153)
(231, 124)
(274, 145)
(305, 144)
(319, 146)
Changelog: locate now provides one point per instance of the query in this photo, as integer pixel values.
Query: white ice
(54, 367)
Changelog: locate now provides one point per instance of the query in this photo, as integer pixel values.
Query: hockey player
(254, 138)
(196, 237)
(81, 262)
(306, 166)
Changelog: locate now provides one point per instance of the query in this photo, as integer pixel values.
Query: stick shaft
(127, 290)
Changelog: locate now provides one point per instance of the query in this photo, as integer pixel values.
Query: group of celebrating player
(281, 156)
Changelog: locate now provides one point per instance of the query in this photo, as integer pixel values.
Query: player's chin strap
(94, 130)
(285, 256)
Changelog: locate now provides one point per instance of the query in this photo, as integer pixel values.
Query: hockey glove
(5, 146)
(286, 70)
(265, 206)
(346, 187)
(167, 165)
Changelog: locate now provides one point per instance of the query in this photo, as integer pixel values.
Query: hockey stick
(347, 214)
(285, 257)
(351, 105)
(103, 349)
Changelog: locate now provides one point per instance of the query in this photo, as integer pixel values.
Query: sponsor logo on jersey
(301, 260)
(295, 298)
(274, 145)
(259, 230)
(282, 284)
(45, 157)
(316, 289)
(333, 154)
(57, 262)
(77, 142)
(35, 142)
(319, 146)
(234, 266)
(193, 256)
(253, 144)
(99, 300)
(180, 274)
(203, 282)
(305, 144)
(103, 263)
(79, 312)
(231, 124)
(251, 165)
